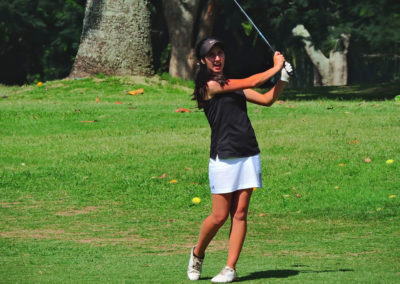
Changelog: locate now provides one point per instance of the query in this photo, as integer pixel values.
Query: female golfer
(234, 167)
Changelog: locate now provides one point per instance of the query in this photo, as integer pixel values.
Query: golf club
(260, 33)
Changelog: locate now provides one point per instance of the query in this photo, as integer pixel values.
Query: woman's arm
(249, 82)
(268, 98)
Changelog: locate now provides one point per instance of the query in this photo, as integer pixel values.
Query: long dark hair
(200, 88)
(201, 79)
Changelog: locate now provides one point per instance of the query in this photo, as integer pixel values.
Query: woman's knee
(240, 214)
(220, 218)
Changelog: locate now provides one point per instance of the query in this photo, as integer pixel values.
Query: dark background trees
(39, 39)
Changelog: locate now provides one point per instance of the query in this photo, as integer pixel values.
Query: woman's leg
(238, 210)
(221, 204)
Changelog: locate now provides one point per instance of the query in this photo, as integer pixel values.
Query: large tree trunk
(333, 70)
(115, 39)
(188, 22)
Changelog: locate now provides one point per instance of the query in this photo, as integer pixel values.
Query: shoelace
(197, 263)
(226, 270)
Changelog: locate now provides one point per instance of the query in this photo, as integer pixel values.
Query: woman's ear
(202, 61)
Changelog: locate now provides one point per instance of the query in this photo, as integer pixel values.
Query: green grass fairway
(96, 185)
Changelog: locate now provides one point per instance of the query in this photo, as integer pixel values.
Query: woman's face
(215, 59)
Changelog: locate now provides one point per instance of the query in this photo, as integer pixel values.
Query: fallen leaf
(389, 162)
(136, 92)
(182, 110)
(132, 107)
(39, 84)
(118, 103)
(303, 119)
(342, 165)
(367, 160)
(97, 99)
(354, 142)
(88, 121)
(392, 196)
(280, 102)
(262, 214)
(337, 187)
(77, 110)
(298, 195)
(291, 106)
(173, 181)
(160, 177)
(254, 188)
(188, 169)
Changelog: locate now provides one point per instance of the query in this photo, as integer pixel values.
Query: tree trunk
(333, 70)
(188, 22)
(116, 39)
(317, 77)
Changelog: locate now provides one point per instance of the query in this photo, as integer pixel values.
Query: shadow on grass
(285, 273)
(382, 91)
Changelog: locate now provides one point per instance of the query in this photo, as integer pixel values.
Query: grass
(86, 192)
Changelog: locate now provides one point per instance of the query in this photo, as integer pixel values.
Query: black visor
(204, 46)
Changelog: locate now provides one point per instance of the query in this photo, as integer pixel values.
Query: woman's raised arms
(249, 82)
(268, 98)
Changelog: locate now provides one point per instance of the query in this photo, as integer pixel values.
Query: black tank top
(232, 135)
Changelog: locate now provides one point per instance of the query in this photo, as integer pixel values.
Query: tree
(38, 39)
(332, 70)
(188, 22)
(115, 39)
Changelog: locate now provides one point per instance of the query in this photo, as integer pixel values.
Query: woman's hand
(279, 60)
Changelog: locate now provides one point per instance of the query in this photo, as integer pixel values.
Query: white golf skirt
(229, 175)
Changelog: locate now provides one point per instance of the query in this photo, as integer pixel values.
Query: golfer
(234, 167)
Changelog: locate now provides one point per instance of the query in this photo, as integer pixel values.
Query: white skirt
(229, 175)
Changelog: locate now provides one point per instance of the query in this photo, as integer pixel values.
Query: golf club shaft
(254, 25)
(291, 73)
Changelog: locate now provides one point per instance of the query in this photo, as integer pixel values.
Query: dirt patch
(126, 238)
(171, 249)
(8, 204)
(34, 234)
(297, 253)
(72, 212)
(127, 241)
(362, 253)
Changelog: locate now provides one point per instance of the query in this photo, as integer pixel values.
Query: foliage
(38, 39)
(373, 26)
(86, 192)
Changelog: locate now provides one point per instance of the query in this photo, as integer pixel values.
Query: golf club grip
(291, 73)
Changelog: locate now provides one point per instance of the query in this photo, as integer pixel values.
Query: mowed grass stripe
(93, 201)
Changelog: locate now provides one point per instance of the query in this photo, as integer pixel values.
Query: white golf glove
(285, 70)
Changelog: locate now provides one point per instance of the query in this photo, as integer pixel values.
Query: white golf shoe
(226, 275)
(194, 267)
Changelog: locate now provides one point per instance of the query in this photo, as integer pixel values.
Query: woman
(234, 167)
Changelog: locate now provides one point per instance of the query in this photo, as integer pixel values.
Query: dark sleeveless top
(232, 135)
